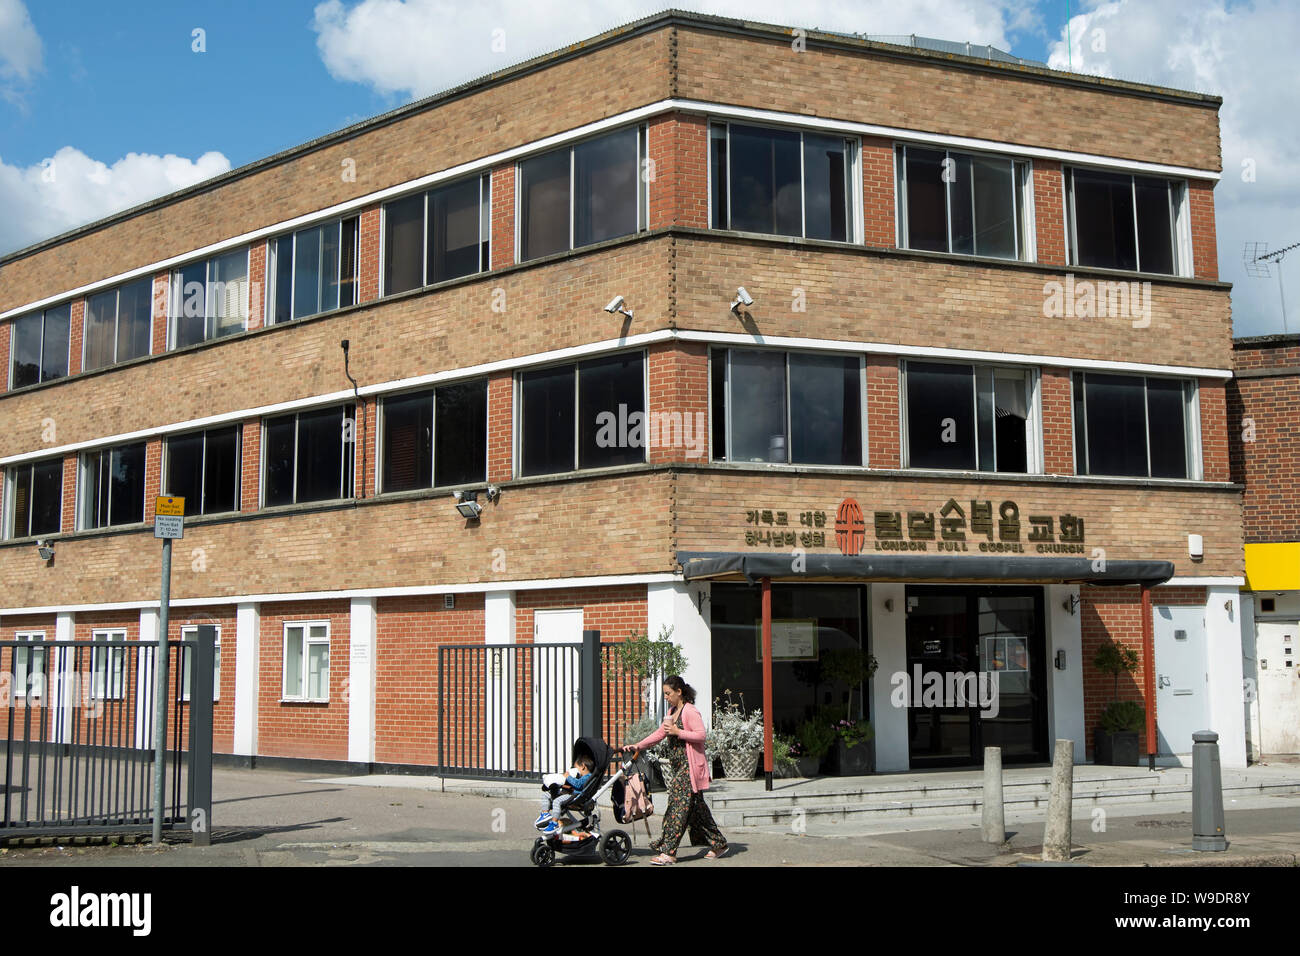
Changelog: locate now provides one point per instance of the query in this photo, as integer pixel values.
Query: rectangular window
(306, 662)
(436, 437)
(112, 486)
(29, 677)
(209, 300)
(40, 346)
(118, 324)
(968, 204)
(801, 408)
(1122, 221)
(107, 665)
(1135, 426)
(437, 235)
(308, 456)
(782, 182)
(188, 633)
(588, 415)
(313, 270)
(969, 417)
(35, 497)
(203, 468)
(582, 194)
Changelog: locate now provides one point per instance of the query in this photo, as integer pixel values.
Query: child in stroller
(560, 789)
(575, 829)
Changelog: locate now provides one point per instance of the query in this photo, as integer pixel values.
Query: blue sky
(103, 106)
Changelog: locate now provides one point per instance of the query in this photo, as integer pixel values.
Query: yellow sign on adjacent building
(1273, 567)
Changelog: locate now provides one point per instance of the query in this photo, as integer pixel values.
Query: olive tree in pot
(645, 662)
(1115, 741)
(853, 750)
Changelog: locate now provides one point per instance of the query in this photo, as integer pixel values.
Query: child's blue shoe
(551, 827)
(542, 819)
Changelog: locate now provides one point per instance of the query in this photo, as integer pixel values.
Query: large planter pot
(808, 766)
(849, 761)
(1115, 750)
(740, 764)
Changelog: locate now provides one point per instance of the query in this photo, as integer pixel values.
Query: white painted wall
(1065, 720)
(888, 637)
(361, 681)
(1223, 664)
(248, 624)
(499, 617)
(1250, 672)
(145, 703)
(677, 604)
(61, 719)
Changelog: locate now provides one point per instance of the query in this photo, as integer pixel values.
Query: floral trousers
(687, 811)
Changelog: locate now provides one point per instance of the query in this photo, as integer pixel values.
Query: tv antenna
(1258, 259)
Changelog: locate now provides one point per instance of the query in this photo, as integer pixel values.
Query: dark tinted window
(718, 401)
(544, 204)
(758, 431)
(403, 244)
(408, 442)
(278, 468)
(1103, 211)
(611, 391)
(547, 420)
(1155, 227)
(826, 188)
(26, 345)
(605, 187)
(37, 498)
(461, 434)
(185, 470)
(320, 455)
(825, 410)
(718, 164)
(189, 304)
(453, 240)
(765, 181)
(1116, 426)
(926, 201)
(204, 469)
(54, 342)
(114, 486)
(940, 416)
(283, 279)
(1166, 422)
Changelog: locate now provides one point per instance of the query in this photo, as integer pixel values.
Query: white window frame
(1180, 227)
(208, 321)
(40, 361)
(8, 513)
(518, 411)
(189, 632)
(104, 686)
(343, 456)
(642, 188)
(380, 421)
(789, 423)
(306, 640)
(203, 468)
(1034, 455)
(272, 272)
(117, 321)
(484, 233)
(84, 485)
(1191, 419)
(22, 677)
(855, 225)
(1022, 181)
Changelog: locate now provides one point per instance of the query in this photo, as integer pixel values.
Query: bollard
(1056, 836)
(994, 824)
(1207, 793)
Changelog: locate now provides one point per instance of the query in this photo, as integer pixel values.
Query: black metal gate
(78, 748)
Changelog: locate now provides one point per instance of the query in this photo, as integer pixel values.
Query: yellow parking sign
(169, 505)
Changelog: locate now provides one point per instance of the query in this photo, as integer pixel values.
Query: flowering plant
(854, 732)
(734, 730)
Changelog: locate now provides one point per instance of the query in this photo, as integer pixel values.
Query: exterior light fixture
(1070, 604)
(45, 550)
(889, 605)
(467, 504)
(616, 305)
(742, 298)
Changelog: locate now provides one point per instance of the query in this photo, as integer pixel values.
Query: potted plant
(852, 666)
(785, 756)
(854, 752)
(646, 661)
(647, 724)
(1115, 740)
(736, 738)
(816, 737)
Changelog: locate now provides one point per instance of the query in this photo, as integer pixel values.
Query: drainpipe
(767, 682)
(359, 409)
(1149, 684)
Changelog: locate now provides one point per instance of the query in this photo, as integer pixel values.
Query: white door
(499, 707)
(555, 686)
(1181, 677)
(1277, 649)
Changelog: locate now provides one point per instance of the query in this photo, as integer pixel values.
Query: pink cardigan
(693, 733)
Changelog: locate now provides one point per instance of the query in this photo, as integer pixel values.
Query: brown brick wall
(160, 309)
(1057, 396)
(1212, 397)
(502, 245)
(6, 330)
(257, 257)
(368, 264)
(250, 464)
(300, 729)
(1205, 247)
(76, 332)
(70, 463)
(679, 386)
(501, 399)
(884, 441)
(1264, 446)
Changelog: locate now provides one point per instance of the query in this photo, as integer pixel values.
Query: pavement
(279, 818)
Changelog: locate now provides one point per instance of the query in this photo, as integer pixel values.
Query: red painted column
(1149, 684)
(767, 682)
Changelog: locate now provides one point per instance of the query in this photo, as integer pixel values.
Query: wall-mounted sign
(792, 640)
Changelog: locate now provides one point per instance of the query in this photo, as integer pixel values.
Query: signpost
(169, 525)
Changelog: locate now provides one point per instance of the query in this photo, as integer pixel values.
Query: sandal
(663, 859)
(717, 854)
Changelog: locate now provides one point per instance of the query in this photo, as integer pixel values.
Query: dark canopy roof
(751, 566)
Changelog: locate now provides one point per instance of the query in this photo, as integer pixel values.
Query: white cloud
(418, 47)
(20, 48)
(70, 189)
(1244, 53)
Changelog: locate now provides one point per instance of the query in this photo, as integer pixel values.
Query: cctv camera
(615, 304)
(743, 297)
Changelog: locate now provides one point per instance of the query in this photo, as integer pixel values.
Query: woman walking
(690, 776)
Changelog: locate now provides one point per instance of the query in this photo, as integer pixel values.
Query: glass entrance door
(976, 675)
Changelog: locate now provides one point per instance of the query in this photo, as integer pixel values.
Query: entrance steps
(899, 796)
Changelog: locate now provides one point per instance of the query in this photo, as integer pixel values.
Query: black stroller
(579, 833)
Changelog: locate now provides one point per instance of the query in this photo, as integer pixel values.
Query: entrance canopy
(752, 566)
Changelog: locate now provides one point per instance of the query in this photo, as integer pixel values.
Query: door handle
(1163, 681)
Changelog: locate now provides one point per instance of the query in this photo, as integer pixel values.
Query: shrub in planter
(854, 752)
(736, 737)
(816, 738)
(1115, 742)
(785, 754)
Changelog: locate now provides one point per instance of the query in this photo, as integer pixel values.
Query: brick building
(1263, 403)
(933, 343)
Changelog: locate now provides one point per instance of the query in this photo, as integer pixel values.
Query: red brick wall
(678, 147)
(614, 611)
(223, 709)
(76, 333)
(366, 447)
(5, 331)
(368, 262)
(1115, 614)
(30, 702)
(501, 398)
(250, 464)
(1205, 248)
(1049, 215)
(1263, 442)
(152, 476)
(679, 386)
(502, 247)
(1058, 436)
(1212, 397)
(257, 285)
(302, 729)
(884, 444)
(70, 492)
(161, 308)
(878, 201)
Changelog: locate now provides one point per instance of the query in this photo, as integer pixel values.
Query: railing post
(200, 745)
(589, 686)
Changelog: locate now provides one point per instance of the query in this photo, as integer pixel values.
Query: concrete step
(882, 806)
